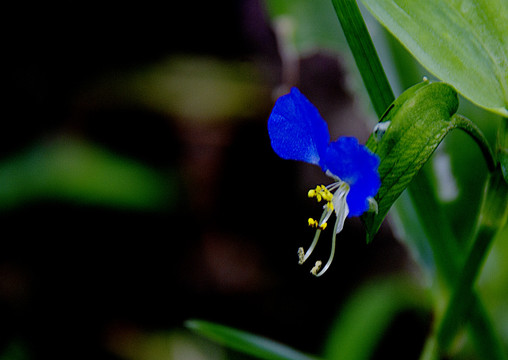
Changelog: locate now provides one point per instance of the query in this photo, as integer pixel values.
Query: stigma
(334, 196)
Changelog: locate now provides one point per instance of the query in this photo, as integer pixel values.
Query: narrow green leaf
(73, 170)
(493, 214)
(364, 54)
(448, 256)
(245, 342)
(464, 43)
(365, 317)
(305, 26)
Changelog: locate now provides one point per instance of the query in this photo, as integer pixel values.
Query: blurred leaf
(72, 170)
(503, 159)
(15, 350)
(493, 215)
(464, 43)
(365, 317)
(137, 344)
(245, 342)
(189, 88)
(306, 26)
(493, 282)
(503, 148)
(408, 228)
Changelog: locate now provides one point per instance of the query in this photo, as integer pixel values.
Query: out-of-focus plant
(451, 206)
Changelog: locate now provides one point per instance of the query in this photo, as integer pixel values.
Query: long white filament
(314, 243)
(341, 210)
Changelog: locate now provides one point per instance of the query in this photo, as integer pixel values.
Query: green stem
(492, 217)
(365, 55)
(502, 147)
(444, 248)
(474, 131)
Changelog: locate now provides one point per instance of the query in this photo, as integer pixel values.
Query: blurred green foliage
(196, 89)
(306, 27)
(73, 170)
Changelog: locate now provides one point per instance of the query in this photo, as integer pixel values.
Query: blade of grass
(366, 316)
(365, 55)
(245, 342)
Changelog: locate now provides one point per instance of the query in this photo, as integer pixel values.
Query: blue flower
(298, 132)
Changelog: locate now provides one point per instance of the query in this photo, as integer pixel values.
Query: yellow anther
(320, 193)
(315, 224)
(329, 205)
(326, 194)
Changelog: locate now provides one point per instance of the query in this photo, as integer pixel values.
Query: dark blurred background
(140, 190)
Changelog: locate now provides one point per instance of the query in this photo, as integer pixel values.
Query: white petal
(340, 206)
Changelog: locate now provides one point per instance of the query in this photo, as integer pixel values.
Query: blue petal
(296, 130)
(358, 166)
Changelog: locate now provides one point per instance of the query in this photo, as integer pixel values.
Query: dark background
(77, 281)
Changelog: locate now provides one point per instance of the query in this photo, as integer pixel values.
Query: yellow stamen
(320, 193)
(315, 224)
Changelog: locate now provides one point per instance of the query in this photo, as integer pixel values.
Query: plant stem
(474, 131)
(442, 241)
(493, 214)
(502, 147)
(365, 55)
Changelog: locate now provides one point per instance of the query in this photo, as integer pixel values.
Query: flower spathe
(298, 132)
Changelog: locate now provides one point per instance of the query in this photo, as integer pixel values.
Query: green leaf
(304, 26)
(365, 54)
(408, 133)
(464, 43)
(365, 317)
(73, 170)
(245, 342)
(418, 120)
